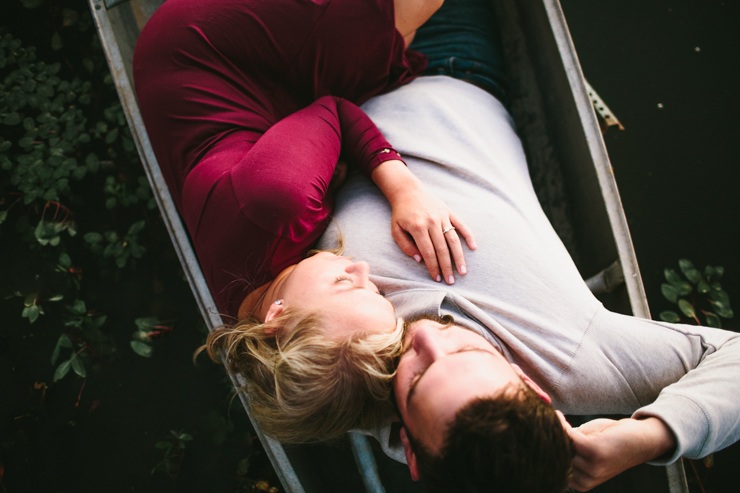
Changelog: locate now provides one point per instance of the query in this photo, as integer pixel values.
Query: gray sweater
(522, 291)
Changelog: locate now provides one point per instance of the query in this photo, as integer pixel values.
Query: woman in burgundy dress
(249, 105)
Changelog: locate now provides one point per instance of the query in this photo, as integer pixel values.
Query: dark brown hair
(511, 443)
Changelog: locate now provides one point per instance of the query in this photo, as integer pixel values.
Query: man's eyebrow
(412, 389)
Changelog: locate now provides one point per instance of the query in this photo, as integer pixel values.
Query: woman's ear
(274, 310)
(410, 456)
(544, 395)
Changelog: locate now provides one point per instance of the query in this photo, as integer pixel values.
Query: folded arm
(672, 377)
(605, 448)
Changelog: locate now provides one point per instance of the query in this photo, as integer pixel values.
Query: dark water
(677, 167)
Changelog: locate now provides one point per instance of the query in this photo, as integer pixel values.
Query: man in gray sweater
(523, 317)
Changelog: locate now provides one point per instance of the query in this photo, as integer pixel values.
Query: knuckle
(427, 252)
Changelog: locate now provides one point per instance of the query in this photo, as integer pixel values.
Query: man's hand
(605, 448)
(419, 219)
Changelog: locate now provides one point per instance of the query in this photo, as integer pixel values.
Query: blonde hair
(304, 384)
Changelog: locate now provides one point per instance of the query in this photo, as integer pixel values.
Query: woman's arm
(419, 218)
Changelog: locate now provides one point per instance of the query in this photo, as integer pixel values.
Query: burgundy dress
(242, 100)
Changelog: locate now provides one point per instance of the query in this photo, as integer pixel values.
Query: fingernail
(439, 278)
(417, 258)
(474, 245)
(463, 269)
(451, 280)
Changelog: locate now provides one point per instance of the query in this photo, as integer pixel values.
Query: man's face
(444, 367)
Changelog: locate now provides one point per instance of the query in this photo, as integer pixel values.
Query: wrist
(393, 178)
(659, 436)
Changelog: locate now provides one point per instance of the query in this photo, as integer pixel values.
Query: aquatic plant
(696, 294)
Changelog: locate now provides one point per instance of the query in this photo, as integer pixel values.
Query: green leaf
(55, 354)
(78, 367)
(79, 308)
(30, 299)
(29, 123)
(718, 273)
(141, 335)
(693, 275)
(142, 349)
(99, 321)
(137, 227)
(672, 276)
(723, 310)
(92, 162)
(62, 370)
(683, 288)
(93, 237)
(669, 292)
(112, 136)
(242, 469)
(65, 341)
(186, 437)
(121, 262)
(3, 216)
(26, 142)
(713, 320)
(686, 308)
(79, 173)
(720, 295)
(56, 42)
(702, 287)
(146, 323)
(111, 203)
(58, 297)
(33, 313)
(65, 261)
(163, 445)
(12, 119)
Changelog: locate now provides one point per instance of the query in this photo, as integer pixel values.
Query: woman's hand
(419, 221)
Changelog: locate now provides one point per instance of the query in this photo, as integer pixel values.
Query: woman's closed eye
(344, 278)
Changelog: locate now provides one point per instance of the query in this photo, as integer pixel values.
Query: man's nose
(428, 344)
(360, 271)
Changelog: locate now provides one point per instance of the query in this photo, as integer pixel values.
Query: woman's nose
(360, 271)
(428, 343)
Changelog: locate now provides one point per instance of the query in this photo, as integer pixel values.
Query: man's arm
(605, 448)
(680, 381)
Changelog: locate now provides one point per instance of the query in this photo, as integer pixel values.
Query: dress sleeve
(362, 143)
(282, 182)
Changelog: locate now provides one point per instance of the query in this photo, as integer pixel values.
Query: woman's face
(342, 291)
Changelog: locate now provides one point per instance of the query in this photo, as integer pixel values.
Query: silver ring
(448, 229)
